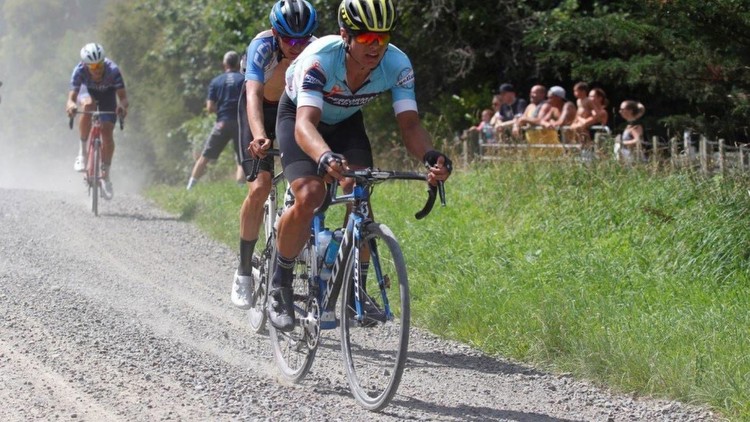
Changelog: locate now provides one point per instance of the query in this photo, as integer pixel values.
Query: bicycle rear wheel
(375, 345)
(294, 351)
(96, 178)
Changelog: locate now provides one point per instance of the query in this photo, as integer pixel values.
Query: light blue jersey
(317, 78)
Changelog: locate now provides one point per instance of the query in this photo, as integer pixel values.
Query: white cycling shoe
(242, 291)
(107, 190)
(80, 164)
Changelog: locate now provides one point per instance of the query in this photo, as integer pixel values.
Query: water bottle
(333, 247)
(324, 238)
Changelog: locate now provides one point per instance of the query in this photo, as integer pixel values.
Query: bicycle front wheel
(294, 351)
(96, 179)
(375, 343)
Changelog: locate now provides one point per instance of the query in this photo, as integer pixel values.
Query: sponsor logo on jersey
(349, 101)
(314, 79)
(406, 78)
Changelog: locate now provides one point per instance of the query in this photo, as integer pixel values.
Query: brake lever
(431, 194)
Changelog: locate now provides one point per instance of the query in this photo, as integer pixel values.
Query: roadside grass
(637, 281)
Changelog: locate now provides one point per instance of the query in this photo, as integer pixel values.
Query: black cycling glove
(325, 161)
(431, 158)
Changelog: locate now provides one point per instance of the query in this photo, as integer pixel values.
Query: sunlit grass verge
(213, 206)
(640, 282)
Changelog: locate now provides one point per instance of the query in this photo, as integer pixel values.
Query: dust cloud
(38, 153)
(37, 148)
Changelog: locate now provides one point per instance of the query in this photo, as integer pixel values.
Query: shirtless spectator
(560, 112)
(534, 112)
(583, 103)
(597, 117)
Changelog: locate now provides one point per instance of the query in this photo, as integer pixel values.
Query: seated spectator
(584, 107)
(511, 107)
(532, 115)
(561, 112)
(633, 136)
(598, 117)
(557, 112)
(484, 128)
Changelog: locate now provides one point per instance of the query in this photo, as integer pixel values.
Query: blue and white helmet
(294, 18)
(92, 53)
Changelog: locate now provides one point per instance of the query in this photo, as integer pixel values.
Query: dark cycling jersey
(318, 78)
(111, 79)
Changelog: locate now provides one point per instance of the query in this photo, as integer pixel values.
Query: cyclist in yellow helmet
(321, 130)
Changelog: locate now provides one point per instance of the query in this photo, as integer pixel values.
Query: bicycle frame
(329, 290)
(93, 177)
(93, 173)
(359, 198)
(374, 339)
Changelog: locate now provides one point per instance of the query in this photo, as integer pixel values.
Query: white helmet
(92, 53)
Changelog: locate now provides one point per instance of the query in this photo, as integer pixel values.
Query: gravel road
(127, 317)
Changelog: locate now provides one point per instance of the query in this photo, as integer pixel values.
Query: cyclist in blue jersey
(321, 131)
(268, 56)
(223, 97)
(102, 79)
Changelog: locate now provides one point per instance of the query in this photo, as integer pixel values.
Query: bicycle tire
(374, 350)
(96, 179)
(262, 266)
(294, 351)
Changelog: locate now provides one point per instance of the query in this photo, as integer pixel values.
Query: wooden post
(465, 152)
(742, 157)
(703, 154)
(687, 149)
(655, 150)
(673, 152)
(722, 156)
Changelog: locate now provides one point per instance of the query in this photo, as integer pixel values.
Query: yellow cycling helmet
(367, 15)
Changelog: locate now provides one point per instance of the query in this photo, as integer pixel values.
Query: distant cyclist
(104, 85)
(268, 56)
(321, 130)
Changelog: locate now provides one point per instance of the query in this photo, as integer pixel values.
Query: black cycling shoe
(281, 308)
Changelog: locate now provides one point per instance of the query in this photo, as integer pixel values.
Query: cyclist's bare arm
(418, 142)
(254, 106)
(71, 106)
(123, 103)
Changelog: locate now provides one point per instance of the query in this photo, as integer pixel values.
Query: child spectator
(484, 128)
(631, 139)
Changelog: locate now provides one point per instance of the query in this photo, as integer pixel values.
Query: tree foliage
(686, 60)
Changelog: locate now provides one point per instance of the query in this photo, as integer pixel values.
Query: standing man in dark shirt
(223, 99)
